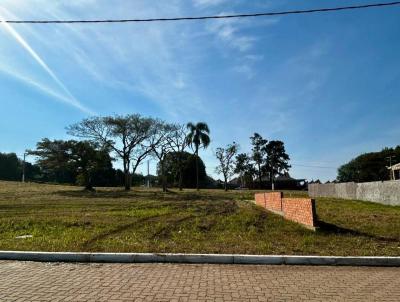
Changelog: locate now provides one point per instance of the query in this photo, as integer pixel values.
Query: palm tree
(198, 137)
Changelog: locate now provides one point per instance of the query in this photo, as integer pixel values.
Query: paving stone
(35, 281)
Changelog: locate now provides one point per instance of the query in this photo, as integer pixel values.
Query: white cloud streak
(69, 98)
(146, 64)
(207, 3)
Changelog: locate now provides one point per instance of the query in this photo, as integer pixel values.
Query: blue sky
(328, 85)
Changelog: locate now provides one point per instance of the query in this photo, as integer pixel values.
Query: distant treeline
(369, 166)
(131, 139)
(11, 168)
(57, 163)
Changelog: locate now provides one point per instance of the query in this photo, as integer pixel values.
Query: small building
(285, 181)
(395, 172)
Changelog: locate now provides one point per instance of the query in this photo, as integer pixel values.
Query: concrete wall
(386, 192)
(300, 210)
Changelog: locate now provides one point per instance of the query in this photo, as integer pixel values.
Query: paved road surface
(30, 281)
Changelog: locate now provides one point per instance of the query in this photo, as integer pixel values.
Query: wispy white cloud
(245, 69)
(68, 98)
(207, 3)
(45, 89)
(254, 57)
(147, 63)
(228, 32)
(233, 39)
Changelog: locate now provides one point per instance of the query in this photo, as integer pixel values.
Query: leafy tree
(10, 166)
(226, 160)
(259, 154)
(245, 168)
(70, 161)
(198, 137)
(86, 159)
(369, 166)
(54, 160)
(131, 137)
(32, 171)
(178, 142)
(172, 173)
(277, 159)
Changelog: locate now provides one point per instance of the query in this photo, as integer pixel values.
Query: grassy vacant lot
(64, 218)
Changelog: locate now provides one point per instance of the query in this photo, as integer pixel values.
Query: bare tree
(178, 142)
(226, 161)
(131, 137)
(162, 147)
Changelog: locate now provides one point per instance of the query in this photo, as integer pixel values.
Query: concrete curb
(197, 258)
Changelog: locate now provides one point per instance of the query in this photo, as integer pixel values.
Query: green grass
(64, 218)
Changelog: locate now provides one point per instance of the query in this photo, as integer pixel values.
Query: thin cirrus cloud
(228, 32)
(154, 68)
(67, 97)
(146, 64)
(43, 88)
(206, 3)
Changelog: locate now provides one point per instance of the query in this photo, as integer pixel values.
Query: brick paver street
(30, 281)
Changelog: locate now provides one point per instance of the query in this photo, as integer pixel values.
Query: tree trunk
(226, 184)
(89, 185)
(127, 181)
(197, 169)
(127, 176)
(164, 184)
(180, 171)
(180, 179)
(272, 180)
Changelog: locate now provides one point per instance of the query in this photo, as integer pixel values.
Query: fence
(384, 192)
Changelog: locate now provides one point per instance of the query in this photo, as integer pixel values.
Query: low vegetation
(65, 218)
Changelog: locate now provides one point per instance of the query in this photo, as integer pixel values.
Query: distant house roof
(234, 181)
(287, 177)
(394, 167)
(283, 177)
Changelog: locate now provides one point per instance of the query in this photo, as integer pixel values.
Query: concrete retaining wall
(384, 192)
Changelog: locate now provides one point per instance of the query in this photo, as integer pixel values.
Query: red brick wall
(260, 199)
(300, 210)
(273, 201)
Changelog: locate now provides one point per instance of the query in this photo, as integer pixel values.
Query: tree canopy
(10, 166)
(131, 137)
(369, 166)
(226, 160)
(198, 136)
(71, 161)
(188, 162)
(259, 154)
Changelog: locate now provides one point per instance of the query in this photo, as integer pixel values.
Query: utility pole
(390, 166)
(23, 168)
(272, 177)
(148, 173)
(272, 182)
